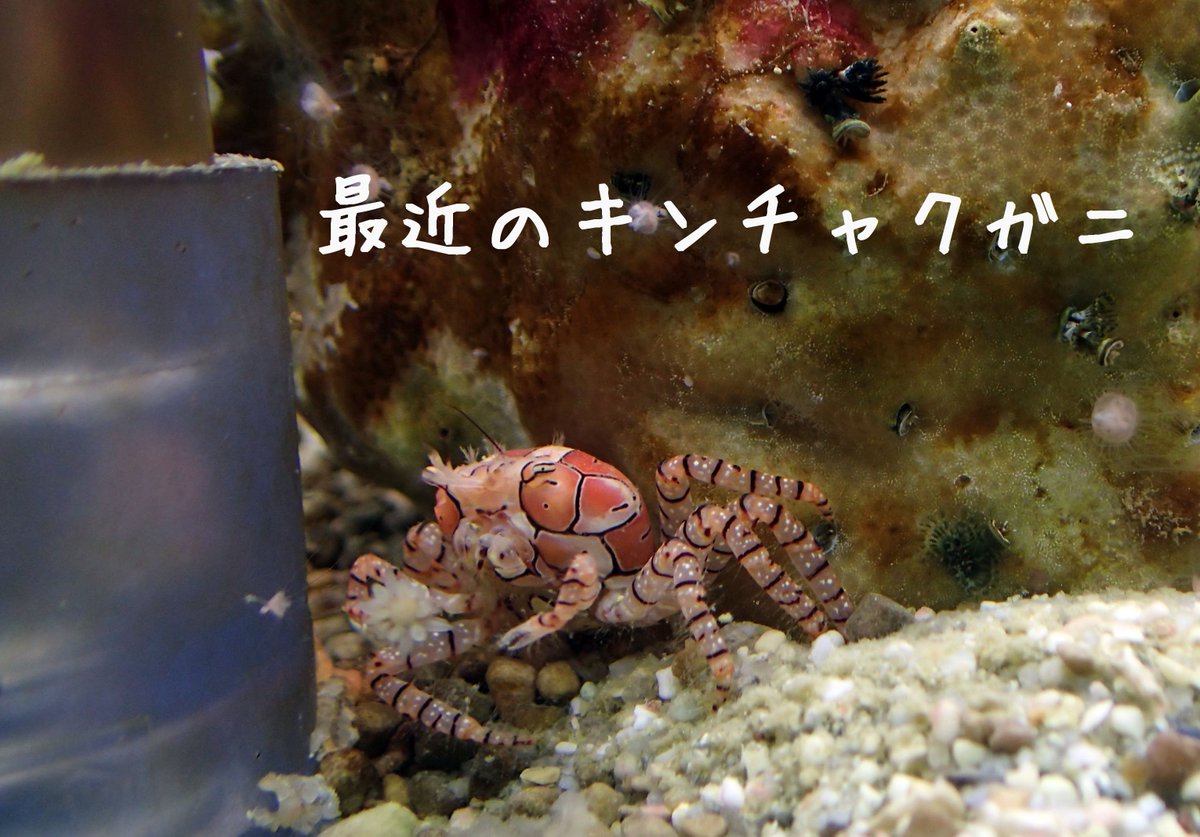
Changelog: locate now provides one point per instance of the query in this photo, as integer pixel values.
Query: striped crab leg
(674, 488)
(806, 556)
(412, 702)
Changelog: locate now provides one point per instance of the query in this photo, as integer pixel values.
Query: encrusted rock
(376, 722)
(351, 774)
(434, 793)
(875, 616)
(534, 801)
(703, 825)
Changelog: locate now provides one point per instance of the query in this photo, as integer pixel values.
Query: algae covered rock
(649, 348)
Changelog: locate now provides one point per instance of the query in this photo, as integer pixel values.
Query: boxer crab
(556, 518)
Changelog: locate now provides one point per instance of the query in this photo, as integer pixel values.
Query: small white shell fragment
(732, 795)
(668, 683)
(836, 688)
(1095, 715)
(770, 641)
(824, 645)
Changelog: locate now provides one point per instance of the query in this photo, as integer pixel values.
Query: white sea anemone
(1115, 418)
(402, 613)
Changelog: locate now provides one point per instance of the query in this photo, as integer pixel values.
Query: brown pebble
(534, 801)
(557, 682)
(510, 683)
(376, 722)
(703, 825)
(976, 726)
(1009, 735)
(930, 819)
(642, 825)
(351, 774)
(876, 616)
(1170, 758)
(604, 801)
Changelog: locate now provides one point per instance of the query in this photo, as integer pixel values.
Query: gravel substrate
(1043, 716)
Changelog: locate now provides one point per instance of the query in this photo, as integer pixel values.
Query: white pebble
(770, 642)
(1190, 792)
(1095, 715)
(588, 690)
(756, 759)
(643, 716)
(836, 688)
(968, 754)
(824, 645)
(1055, 791)
(961, 663)
(732, 796)
(565, 748)
(945, 719)
(1128, 721)
(668, 683)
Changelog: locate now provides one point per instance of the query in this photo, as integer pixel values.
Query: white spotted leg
(674, 490)
(577, 592)
(674, 486)
(411, 702)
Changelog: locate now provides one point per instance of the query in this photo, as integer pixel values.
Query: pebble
(824, 645)
(434, 793)
(1009, 735)
(668, 683)
(702, 825)
(642, 825)
(1055, 791)
(876, 616)
(732, 794)
(1170, 759)
(769, 642)
(543, 775)
(534, 801)
(395, 789)
(510, 682)
(1128, 721)
(1190, 790)
(376, 722)
(350, 773)
(389, 818)
(604, 801)
(557, 682)
(967, 754)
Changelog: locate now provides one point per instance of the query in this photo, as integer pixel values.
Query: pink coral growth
(802, 32)
(534, 44)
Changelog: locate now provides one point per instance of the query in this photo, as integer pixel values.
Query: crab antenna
(496, 446)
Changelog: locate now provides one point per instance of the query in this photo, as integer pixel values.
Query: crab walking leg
(689, 591)
(806, 556)
(443, 645)
(756, 561)
(414, 703)
(428, 560)
(577, 592)
(672, 481)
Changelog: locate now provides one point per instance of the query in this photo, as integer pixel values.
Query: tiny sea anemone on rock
(967, 544)
(1115, 418)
